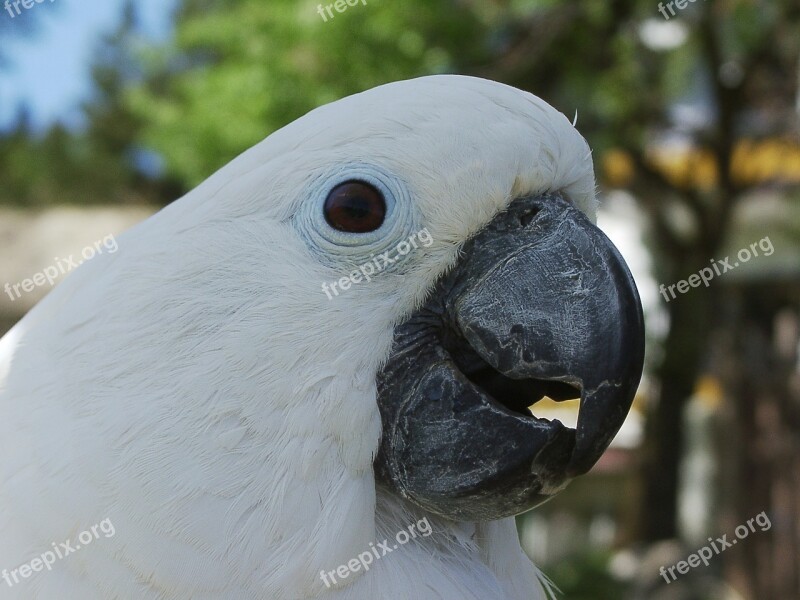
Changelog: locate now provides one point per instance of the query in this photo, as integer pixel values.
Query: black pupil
(358, 207)
(355, 207)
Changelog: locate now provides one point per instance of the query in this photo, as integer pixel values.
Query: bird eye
(355, 207)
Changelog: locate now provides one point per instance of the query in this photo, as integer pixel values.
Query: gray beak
(540, 304)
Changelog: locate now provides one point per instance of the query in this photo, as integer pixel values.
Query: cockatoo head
(501, 290)
(377, 292)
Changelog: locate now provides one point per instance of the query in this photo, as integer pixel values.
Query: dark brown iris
(355, 207)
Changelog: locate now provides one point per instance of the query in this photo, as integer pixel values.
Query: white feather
(198, 388)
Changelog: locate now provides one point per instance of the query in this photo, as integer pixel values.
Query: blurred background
(110, 110)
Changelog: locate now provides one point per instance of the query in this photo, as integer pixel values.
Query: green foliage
(586, 577)
(240, 69)
(237, 70)
(56, 168)
(98, 164)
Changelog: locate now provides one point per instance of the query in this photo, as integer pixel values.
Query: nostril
(528, 215)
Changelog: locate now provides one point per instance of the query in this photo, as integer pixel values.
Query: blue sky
(50, 70)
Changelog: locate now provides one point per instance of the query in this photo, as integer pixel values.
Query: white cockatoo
(323, 352)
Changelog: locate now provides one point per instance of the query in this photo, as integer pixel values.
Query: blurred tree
(240, 69)
(99, 164)
(56, 167)
(111, 126)
(114, 129)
